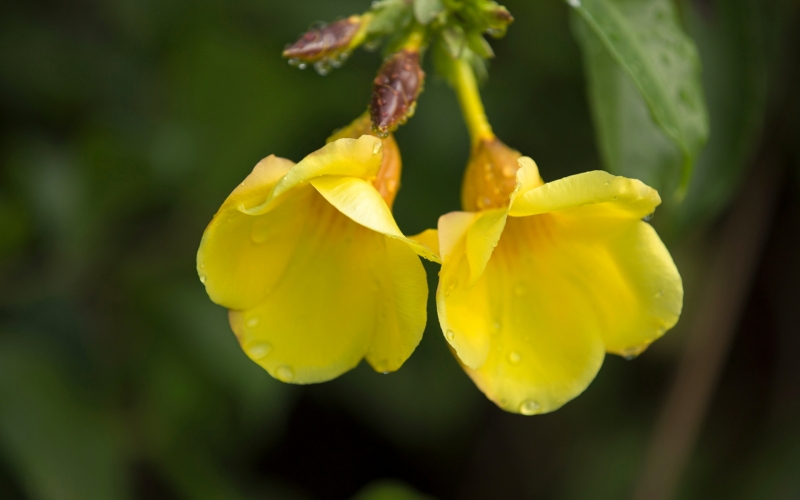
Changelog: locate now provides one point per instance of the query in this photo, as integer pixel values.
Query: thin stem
(470, 99)
(416, 38)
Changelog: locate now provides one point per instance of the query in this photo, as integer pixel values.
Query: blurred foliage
(125, 124)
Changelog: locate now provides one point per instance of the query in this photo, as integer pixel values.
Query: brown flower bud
(395, 91)
(325, 41)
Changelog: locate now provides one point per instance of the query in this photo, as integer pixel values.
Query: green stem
(470, 99)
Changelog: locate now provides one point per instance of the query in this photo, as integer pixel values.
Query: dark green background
(124, 125)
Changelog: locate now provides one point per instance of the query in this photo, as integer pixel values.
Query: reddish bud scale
(395, 91)
(318, 43)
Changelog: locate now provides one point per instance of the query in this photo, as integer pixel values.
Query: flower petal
(359, 200)
(402, 297)
(430, 239)
(241, 256)
(360, 158)
(627, 272)
(590, 194)
(325, 312)
(530, 317)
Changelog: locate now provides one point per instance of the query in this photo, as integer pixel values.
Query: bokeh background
(124, 125)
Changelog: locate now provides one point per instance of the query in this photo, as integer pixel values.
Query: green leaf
(630, 143)
(388, 16)
(427, 10)
(454, 40)
(645, 39)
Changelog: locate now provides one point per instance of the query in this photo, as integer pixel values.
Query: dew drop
(631, 353)
(520, 290)
(514, 358)
(509, 171)
(574, 3)
(659, 294)
(449, 335)
(252, 322)
(259, 350)
(302, 65)
(202, 265)
(284, 373)
(202, 278)
(377, 147)
(529, 407)
(322, 68)
(648, 218)
(294, 62)
(382, 366)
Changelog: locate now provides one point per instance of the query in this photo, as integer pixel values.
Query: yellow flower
(312, 265)
(539, 280)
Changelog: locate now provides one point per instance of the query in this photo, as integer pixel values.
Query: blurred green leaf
(61, 446)
(426, 10)
(738, 41)
(630, 143)
(645, 39)
(390, 490)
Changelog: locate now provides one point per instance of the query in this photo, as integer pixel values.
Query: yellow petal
(430, 239)
(590, 194)
(558, 290)
(628, 274)
(344, 157)
(338, 299)
(359, 200)
(401, 297)
(482, 238)
(536, 327)
(452, 228)
(241, 256)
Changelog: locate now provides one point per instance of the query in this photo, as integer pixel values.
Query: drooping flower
(312, 265)
(539, 281)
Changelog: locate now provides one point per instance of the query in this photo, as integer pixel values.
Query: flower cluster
(538, 280)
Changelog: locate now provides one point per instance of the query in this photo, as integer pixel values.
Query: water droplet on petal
(631, 353)
(202, 278)
(284, 373)
(514, 358)
(659, 294)
(449, 335)
(202, 265)
(302, 65)
(252, 322)
(259, 350)
(377, 147)
(529, 407)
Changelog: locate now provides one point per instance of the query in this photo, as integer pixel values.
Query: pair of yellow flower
(537, 281)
